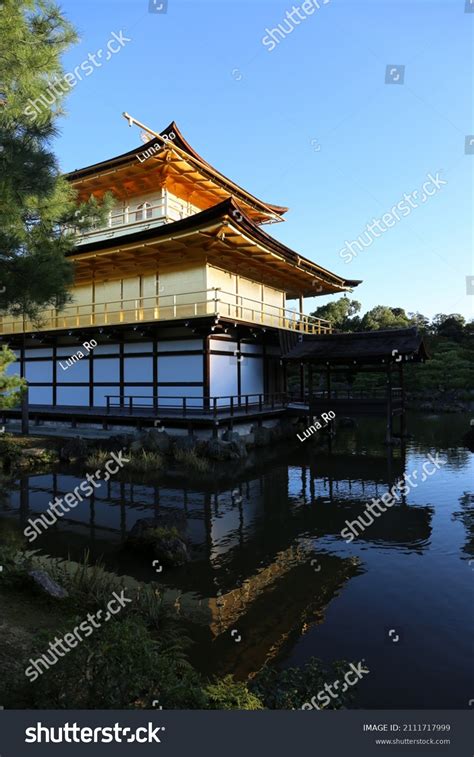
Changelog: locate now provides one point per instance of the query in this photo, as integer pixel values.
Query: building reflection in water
(256, 566)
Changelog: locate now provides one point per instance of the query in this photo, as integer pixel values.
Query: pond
(271, 577)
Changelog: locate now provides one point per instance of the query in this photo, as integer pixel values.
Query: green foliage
(449, 341)
(38, 208)
(97, 459)
(227, 694)
(450, 368)
(342, 314)
(451, 326)
(119, 666)
(12, 557)
(88, 584)
(139, 462)
(10, 453)
(161, 532)
(289, 689)
(145, 462)
(10, 386)
(383, 317)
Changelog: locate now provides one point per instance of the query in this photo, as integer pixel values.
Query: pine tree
(38, 208)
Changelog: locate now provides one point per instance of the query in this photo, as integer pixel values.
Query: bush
(13, 559)
(10, 452)
(227, 694)
(289, 689)
(120, 666)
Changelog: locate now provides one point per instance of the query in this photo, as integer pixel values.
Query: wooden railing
(166, 210)
(166, 307)
(232, 405)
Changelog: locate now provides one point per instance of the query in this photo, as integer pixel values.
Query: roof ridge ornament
(166, 140)
(146, 129)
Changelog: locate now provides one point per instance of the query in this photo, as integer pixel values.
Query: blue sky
(311, 124)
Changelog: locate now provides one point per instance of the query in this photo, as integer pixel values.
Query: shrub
(10, 452)
(120, 666)
(88, 584)
(289, 689)
(13, 559)
(227, 694)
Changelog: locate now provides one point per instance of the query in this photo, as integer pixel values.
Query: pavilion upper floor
(217, 262)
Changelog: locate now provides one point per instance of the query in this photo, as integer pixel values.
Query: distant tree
(451, 326)
(341, 313)
(38, 208)
(384, 317)
(420, 321)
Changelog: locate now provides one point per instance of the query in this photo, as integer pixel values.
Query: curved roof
(386, 345)
(267, 210)
(233, 229)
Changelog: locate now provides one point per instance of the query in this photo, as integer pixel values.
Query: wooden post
(25, 421)
(24, 395)
(301, 300)
(389, 431)
(328, 381)
(302, 381)
(402, 414)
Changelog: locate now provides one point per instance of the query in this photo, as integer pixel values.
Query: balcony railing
(176, 405)
(165, 210)
(166, 307)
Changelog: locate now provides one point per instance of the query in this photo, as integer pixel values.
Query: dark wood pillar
(302, 381)
(206, 371)
(402, 414)
(389, 431)
(25, 424)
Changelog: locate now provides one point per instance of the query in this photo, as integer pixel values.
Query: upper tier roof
(181, 168)
(228, 237)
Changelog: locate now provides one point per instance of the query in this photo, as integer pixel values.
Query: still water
(271, 578)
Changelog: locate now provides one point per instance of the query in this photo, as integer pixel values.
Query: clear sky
(310, 124)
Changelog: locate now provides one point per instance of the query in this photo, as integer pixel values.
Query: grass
(86, 582)
(141, 462)
(191, 460)
(97, 459)
(145, 462)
